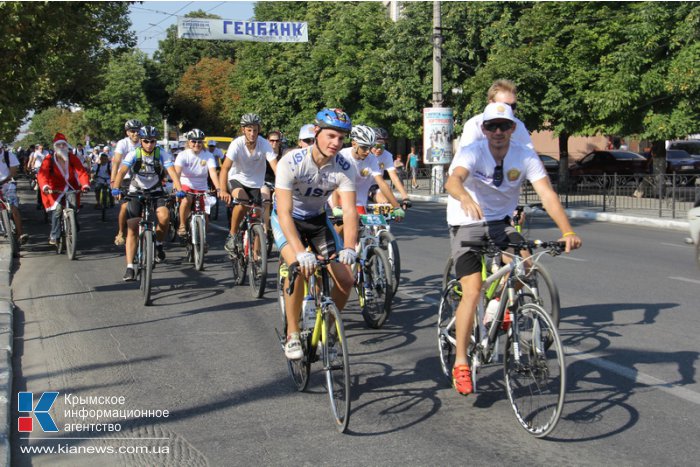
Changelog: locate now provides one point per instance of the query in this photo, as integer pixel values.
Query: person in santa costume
(60, 172)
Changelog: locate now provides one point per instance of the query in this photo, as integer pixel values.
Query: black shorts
(372, 193)
(134, 207)
(253, 193)
(467, 261)
(317, 232)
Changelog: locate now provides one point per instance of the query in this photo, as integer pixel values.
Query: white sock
(130, 265)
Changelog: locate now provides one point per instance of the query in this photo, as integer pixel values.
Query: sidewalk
(6, 337)
(621, 216)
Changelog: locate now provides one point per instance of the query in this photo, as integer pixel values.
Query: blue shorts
(9, 192)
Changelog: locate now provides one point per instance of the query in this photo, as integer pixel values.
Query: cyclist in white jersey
(124, 147)
(385, 161)
(305, 179)
(243, 171)
(194, 166)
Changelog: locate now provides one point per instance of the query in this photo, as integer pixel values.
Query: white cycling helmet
(195, 134)
(363, 135)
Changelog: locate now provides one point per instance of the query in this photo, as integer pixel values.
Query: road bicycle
(7, 224)
(322, 339)
(387, 240)
(533, 357)
(145, 251)
(374, 281)
(67, 211)
(250, 249)
(541, 286)
(104, 197)
(196, 237)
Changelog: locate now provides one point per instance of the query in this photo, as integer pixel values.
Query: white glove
(337, 211)
(347, 256)
(306, 260)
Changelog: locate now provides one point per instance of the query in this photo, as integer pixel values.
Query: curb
(6, 341)
(682, 226)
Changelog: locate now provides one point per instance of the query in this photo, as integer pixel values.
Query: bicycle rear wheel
(257, 267)
(147, 260)
(447, 340)
(535, 372)
(336, 365)
(199, 237)
(298, 369)
(376, 288)
(388, 242)
(71, 233)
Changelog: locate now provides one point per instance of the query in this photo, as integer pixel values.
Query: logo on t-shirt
(202, 163)
(513, 175)
(381, 165)
(364, 172)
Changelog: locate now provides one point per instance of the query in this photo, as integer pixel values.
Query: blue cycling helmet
(335, 119)
(148, 132)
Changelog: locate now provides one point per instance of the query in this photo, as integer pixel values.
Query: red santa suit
(60, 175)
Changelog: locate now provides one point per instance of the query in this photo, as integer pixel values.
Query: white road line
(634, 375)
(413, 296)
(674, 244)
(570, 258)
(218, 227)
(684, 279)
(403, 227)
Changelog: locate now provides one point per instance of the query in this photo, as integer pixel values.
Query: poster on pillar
(438, 127)
(228, 30)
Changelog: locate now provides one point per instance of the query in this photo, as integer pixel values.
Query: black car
(611, 162)
(679, 161)
(551, 165)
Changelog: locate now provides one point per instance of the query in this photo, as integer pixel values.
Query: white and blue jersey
(312, 185)
(147, 178)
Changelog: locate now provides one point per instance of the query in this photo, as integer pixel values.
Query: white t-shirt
(39, 158)
(365, 171)
(124, 147)
(4, 169)
(147, 178)
(195, 168)
(472, 132)
(385, 161)
(496, 203)
(312, 185)
(247, 168)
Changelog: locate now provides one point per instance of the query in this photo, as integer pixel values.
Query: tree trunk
(563, 185)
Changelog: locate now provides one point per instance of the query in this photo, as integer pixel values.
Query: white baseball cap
(307, 131)
(496, 110)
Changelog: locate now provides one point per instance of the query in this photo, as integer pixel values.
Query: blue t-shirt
(412, 161)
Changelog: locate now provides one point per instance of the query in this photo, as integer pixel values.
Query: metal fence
(669, 196)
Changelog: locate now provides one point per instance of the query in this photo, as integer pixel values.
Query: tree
(204, 90)
(46, 123)
(50, 53)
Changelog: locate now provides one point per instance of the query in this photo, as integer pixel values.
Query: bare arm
(350, 219)
(386, 191)
(455, 188)
(553, 206)
(116, 165)
(284, 213)
(223, 180)
(175, 176)
(397, 183)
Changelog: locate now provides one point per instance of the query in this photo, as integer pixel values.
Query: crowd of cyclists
(299, 190)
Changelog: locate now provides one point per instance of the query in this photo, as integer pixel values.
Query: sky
(150, 19)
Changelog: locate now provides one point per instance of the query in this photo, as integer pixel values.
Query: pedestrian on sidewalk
(413, 167)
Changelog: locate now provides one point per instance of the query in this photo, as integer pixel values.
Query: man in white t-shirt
(243, 171)
(8, 170)
(124, 147)
(385, 161)
(484, 187)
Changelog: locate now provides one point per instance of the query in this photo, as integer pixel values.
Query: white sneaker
(292, 349)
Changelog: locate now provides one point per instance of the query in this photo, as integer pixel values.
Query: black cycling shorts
(134, 207)
(253, 193)
(467, 261)
(317, 232)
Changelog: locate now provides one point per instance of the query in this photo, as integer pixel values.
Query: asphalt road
(207, 352)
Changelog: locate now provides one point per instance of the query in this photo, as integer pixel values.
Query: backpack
(157, 165)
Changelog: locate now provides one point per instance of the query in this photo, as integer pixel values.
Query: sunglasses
(364, 148)
(379, 146)
(498, 175)
(274, 140)
(148, 141)
(196, 141)
(308, 141)
(493, 126)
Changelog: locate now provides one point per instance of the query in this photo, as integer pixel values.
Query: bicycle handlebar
(294, 271)
(488, 246)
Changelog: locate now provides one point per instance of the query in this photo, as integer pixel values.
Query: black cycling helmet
(381, 133)
(132, 124)
(251, 119)
(195, 134)
(148, 132)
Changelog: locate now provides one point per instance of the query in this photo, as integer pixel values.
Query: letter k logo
(25, 403)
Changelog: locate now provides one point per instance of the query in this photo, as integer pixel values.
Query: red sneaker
(462, 379)
(507, 320)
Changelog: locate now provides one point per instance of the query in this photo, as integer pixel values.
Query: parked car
(691, 146)
(680, 162)
(551, 165)
(611, 162)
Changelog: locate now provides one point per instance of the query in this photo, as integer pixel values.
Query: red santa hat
(59, 138)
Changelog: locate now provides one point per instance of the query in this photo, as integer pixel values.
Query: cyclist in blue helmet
(305, 179)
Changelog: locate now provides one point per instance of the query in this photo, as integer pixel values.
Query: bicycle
(243, 258)
(104, 197)
(541, 285)
(7, 224)
(533, 364)
(145, 251)
(317, 340)
(196, 236)
(387, 241)
(374, 282)
(68, 237)
(174, 218)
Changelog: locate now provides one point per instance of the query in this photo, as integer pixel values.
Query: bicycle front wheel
(388, 242)
(336, 365)
(447, 340)
(447, 274)
(540, 280)
(198, 239)
(376, 288)
(257, 260)
(71, 233)
(238, 260)
(535, 370)
(298, 369)
(147, 260)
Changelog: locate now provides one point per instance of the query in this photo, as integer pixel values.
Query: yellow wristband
(568, 234)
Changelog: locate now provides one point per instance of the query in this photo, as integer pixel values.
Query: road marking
(674, 244)
(413, 296)
(89, 290)
(218, 227)
(633, 375)
(692, 281)
(403, 227)
(573, 259)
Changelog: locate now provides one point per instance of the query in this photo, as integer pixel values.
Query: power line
(164, 19)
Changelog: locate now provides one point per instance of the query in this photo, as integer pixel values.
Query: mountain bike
(374, 281)
(321, 340)
(387, 241)
(196, 237)
(250, 249)
(541, 286)
(7, 224)
(534, 366)
(68, 238)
